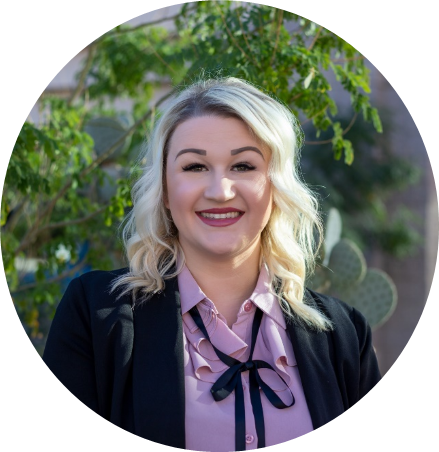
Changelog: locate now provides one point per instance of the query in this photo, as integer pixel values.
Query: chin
(226, 251)
(217, 248)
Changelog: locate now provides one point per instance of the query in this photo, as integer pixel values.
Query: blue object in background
(29, 276)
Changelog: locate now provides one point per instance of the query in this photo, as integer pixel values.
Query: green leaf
(376, 120)
(348, 152)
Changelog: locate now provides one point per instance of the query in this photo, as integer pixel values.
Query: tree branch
(93, 46)
(233, 38)
(120, 31)
(242, 31)
(62, 224)
(297, 96)
(32, 232)
(154, 51)
(57, 278)
(84, 73)
(315, 114)
(315, 38)
(343, 60)
(345, 131)
(15, 214)
(279, 23)
(295, 33)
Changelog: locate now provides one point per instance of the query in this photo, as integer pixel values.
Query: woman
(209, 340)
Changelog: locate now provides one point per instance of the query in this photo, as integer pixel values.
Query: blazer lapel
(158, 372)
(314, 355)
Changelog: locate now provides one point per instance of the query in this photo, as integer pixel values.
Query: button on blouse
(210, 425)
(249, 439)
(248, 306)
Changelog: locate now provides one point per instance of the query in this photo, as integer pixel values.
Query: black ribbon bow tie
(230, 381)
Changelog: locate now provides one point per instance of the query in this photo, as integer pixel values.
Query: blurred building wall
(412, 275)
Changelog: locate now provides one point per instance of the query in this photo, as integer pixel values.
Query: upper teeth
(218, 216)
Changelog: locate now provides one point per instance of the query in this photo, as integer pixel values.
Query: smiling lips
(220, 217)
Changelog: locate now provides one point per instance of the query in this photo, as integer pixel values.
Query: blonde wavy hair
(288, 240)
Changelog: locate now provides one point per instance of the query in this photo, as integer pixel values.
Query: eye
(194, 167)
(243, 166)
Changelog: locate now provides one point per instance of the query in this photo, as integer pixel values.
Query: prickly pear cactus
(375, 297)
(333, 230)
(347, 264)
(319, 281)
(344, 274)
(105, 133)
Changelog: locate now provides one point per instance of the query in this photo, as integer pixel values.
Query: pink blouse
(210, 425)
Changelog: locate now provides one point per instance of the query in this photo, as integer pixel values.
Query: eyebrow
(195, 151)
(246, 148)
(232, 152)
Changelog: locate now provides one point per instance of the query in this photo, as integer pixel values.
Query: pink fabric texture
(210, 425)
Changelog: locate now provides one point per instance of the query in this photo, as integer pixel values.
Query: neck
(227, 282)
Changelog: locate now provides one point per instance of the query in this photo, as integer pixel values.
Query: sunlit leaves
(287, 55)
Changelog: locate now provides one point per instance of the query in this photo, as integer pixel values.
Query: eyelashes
(244, 166)
(240, 167)
(195, 167)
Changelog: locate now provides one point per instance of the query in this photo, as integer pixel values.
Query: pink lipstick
(220, 217)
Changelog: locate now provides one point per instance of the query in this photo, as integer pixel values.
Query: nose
(219, 189)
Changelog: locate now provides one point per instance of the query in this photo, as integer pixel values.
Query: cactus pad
(332, 232)
(375, 297)
(347, 264)
(319, 280)
(106, 132)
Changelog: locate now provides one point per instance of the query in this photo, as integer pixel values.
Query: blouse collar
(191, 294)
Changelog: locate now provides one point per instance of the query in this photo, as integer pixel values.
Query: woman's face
(217, 187)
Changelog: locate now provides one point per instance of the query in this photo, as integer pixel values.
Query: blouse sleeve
(69, 348)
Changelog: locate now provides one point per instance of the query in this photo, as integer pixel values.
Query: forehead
(212, 131)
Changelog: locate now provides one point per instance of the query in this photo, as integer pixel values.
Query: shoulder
(346, 320)
(349, 345)
(330, 306)
(101, 278)
(95, 289)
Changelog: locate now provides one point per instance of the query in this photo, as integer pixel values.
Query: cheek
(266, 200)
(182, 194)
(262, 190)
(172, 189)
(259, 198)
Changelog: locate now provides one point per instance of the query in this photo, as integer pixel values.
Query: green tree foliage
(361, 190)
(55, 220)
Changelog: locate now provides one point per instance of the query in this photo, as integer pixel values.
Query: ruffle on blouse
(272, 345)
(206, 364)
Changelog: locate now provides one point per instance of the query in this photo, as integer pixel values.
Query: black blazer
(127, 364)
